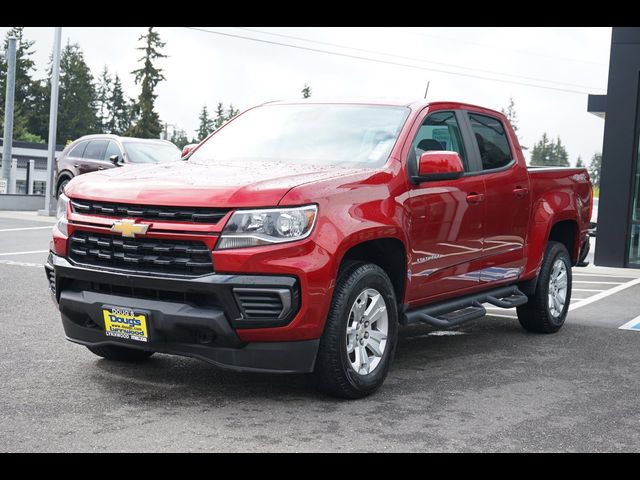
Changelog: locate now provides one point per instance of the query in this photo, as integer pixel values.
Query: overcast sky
(204, 68)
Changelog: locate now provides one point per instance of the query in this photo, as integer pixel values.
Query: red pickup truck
(299, 237)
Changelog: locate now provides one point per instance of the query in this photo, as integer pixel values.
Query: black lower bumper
(177, 325)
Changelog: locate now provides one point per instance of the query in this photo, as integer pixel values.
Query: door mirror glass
(116, 160)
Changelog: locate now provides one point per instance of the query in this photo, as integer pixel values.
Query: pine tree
(23, 86)
(220, 116)
(510, 113)
(119, 114)
(103, 99)
(231, 112)
(560, 155)
(77, 113)
(38, 105)
(207, 124)
(306, 91)
(547, 152)
(595, 167)
(179, 138)
(541, 152)
(579, 162)
(148, 123)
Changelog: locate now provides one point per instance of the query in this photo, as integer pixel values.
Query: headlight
(61, 213)
(250, 228)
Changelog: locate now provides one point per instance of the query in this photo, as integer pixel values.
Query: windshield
(358, 136)
(147, 152)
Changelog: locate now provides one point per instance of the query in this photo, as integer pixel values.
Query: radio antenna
(427, 90)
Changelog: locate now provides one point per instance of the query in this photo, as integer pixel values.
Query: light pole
(8, 114)
(49, 206)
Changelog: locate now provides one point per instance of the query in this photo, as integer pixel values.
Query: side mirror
(439, 165)
(116, 160)
(188, 149)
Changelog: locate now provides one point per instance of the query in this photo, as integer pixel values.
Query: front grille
(263, 303)
(147, 212)
(141, 254)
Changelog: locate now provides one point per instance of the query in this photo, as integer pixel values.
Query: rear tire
(360, 336)
(120, 354)
(547, 308)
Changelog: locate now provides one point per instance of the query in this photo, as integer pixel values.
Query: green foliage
(77, 113)
(306, 91)
(232, 112)
(30, 137)
(549, 153)
(579, 162)
(220, 116)
(103, 99)
(25, 88)
(180, 139)
(510, 113)
(207, 124)
(595, 168)
(147, 121)
(119, 110)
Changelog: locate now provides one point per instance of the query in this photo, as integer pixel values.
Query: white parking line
(586, 290)
(575, 274)
(22, 253)
(604, 294)
(25, 228)
(631, 325)
(502, 316)
(599, 283)
(21, 264)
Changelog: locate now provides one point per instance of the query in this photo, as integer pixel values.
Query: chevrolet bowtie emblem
(129, 228)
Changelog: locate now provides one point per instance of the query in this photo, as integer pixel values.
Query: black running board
(451, 313)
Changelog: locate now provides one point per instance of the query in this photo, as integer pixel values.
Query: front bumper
(195, 317)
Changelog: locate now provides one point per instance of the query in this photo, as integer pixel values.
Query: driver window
(440, 131)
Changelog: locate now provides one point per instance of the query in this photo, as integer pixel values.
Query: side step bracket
(452, 313)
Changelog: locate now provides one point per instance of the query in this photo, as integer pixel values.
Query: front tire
(361, 332)
(120, 354)
(547, 308)
(61, 185)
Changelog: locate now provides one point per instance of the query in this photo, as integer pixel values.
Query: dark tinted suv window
(78, 150)
(95, 149)
(112, 149)
(492, 141)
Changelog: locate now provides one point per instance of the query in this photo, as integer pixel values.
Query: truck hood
(186, 183)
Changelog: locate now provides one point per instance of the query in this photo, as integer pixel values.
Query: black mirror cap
(115, 159)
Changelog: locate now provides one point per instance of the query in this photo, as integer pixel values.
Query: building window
(634, 244)
(39, 187)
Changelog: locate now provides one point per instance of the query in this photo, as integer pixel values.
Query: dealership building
(618, 234)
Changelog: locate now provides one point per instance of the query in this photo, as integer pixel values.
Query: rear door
(446, 216)
(506, 184)
(93, 158)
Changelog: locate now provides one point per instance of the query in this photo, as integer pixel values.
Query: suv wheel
(61, 186)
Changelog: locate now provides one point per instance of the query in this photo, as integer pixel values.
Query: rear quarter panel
(557, 194)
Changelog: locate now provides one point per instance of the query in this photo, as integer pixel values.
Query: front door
(447, 217)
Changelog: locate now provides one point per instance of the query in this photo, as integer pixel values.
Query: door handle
(100, 168)
(475, 198)
(520, 192)
(76, 165)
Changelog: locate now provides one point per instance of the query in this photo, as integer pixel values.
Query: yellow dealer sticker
(125, 323)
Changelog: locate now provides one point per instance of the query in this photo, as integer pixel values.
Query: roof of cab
(413, 104)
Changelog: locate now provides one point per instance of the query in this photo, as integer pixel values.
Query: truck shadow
(185, 381)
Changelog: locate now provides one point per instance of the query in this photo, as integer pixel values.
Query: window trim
(412, 161)
(479, 170)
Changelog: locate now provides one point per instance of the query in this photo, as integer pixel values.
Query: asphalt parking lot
(488, 387)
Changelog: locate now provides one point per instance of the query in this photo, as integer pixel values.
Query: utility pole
(8, 115)
(49, 206)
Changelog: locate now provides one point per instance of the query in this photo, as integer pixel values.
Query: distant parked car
(99, 152)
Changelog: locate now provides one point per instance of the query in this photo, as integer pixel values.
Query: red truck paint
(506, 231)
